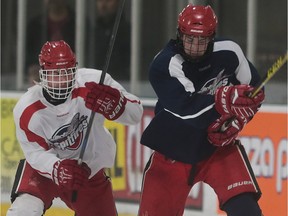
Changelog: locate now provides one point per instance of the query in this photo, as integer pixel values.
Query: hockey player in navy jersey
(51, 121)
(203, 87)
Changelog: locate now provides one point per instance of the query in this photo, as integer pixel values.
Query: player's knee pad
(242, 204)
(26, 205)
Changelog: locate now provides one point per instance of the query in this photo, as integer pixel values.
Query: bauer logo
(239, 184)
(69, 136)
(61, 63)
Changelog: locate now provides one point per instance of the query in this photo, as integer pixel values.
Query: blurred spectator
(56, 23)
(106, 12)
(33, 74)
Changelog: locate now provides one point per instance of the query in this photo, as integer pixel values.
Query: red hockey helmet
(56, 54)
(58, 69)
(197, 21)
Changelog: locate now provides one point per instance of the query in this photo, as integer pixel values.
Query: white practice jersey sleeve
(48, 133)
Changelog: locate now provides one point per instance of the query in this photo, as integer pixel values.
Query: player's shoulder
(168, 51)
(84, 75)
(224, 44)
(87, 75)
(166, 55)
(30, 97)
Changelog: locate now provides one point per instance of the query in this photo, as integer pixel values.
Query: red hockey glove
(106, 100)
(67, 173)
(224, 130)
(235, 100)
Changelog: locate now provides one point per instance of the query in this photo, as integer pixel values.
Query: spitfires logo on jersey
(70, 136)
(211, 85)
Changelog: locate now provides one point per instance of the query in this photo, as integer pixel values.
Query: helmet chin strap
(51, 100)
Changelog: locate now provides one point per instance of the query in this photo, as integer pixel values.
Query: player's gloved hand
(68, 174)
(224, 130)
(235, 100)
(106, 100)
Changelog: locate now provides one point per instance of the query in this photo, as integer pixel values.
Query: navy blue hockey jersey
(185, 91)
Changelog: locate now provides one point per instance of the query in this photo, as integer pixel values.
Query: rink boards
(264, 138)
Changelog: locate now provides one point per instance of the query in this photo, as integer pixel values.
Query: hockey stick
(270, 73)
(103, 74)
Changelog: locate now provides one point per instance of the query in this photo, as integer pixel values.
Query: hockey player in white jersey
(51, 121)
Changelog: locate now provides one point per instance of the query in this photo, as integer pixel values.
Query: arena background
(258, 26)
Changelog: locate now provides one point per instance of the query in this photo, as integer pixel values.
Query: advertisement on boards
(264, 139)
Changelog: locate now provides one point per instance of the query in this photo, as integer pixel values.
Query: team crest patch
(69, 136)
(211, 85)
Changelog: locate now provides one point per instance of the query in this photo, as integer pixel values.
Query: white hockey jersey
(48, 133)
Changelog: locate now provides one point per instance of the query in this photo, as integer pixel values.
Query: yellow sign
(11, 151)
(118, 172)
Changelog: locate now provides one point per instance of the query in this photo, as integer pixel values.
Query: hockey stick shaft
(112, 41)
(270, 73)
(102, 78)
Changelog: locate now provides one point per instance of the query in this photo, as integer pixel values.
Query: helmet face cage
(58, 69)
(58, 83)
(195, 46)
